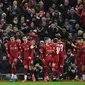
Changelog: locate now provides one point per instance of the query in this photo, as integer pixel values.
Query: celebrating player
(47, 57)
(28, 52)
(55, 68)
(13, 49)
(62, 53)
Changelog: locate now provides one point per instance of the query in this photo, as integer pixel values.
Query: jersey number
(57, 50)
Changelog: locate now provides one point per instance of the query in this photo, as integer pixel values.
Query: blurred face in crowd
(1, 5)
(79, 1)
(51, 10)
(33, 11)
(41, 4)
(53, 25)
(48, 41)
(66, 2)
(69, 52)
(43, 19)
(15, 28)
(3, 21)
(77, 26)
(3, 16)
(53, 5)
(72, 11)
(25, 39)
(43, 23)
(81, 6)
(47, 15)
(32, 24)
(80, 32)
(26, 5)
(14, 3)
(29, 10)
(17, 34)
(64, 30)
(12, 39)
(15, 21)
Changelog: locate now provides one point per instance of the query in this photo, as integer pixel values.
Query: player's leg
(55, 70)
(14, 71)
(61, 69)
(25, 70)
(46, 69)
(31, 68)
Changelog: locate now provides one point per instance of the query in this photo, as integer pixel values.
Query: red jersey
(14, 49)
(62, 48)
(56, 49)
(28, 50)
(46, 51)
(77, 51)
(83, 53)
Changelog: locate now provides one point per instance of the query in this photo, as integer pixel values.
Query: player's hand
(15, 60)
(8, 55)
(19, 57)
(43, 61)
(32, 62)
(53, 65)
(29, 58)
(73, 71)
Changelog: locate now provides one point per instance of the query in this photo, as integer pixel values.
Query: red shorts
(27, 62)
(48, 60)
(56, 62)
(61, 61)
(12, 60)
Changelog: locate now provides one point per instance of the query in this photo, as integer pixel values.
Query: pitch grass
(42, 83)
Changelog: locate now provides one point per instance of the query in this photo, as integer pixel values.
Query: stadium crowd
(43, 22)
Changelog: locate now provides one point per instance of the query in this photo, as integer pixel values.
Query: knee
(26, 66)
(13, 65)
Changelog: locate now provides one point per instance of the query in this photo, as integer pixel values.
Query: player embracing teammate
(53, 52)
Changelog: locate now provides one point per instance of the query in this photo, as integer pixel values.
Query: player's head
(48, 40)
(58, 35)
(12, 38)
(24, 38)
(79, 41)
(55, 40)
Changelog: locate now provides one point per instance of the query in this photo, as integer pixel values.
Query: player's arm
(20, 52)
(31, 51)
(7, 49)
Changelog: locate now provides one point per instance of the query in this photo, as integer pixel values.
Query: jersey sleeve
(31, 50)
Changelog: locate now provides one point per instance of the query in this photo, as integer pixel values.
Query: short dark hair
(55, 40)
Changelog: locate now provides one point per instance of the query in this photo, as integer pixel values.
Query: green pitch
(42, 83)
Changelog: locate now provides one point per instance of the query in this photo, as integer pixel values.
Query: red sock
(56, 73)
(14, 70)
(46, 69)
(61, 70)
(25, 71)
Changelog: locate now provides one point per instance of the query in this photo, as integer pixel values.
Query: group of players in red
(51, 54)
